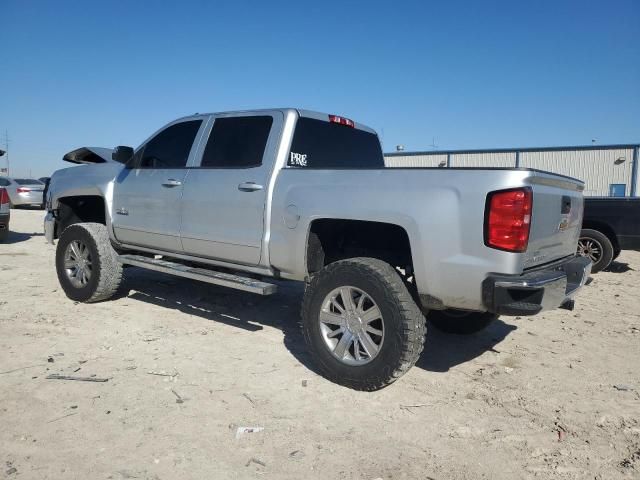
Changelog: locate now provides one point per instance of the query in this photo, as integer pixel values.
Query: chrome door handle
(249, 187)
(171, 182)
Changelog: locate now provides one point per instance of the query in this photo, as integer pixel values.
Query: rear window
(237, 142)
(27, 181)
(320, 144)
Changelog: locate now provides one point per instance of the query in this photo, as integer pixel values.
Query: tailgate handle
(566, 204)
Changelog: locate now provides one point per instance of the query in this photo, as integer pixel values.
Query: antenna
(433, 143)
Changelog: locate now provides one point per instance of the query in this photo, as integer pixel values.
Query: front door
(146, 205)
(223, 203)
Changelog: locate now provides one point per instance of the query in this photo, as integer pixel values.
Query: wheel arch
(80, 209)
(331, 239)
(603, 228)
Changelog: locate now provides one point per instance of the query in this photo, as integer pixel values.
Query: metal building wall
(428, 160)
(596, 167)
(482, 159)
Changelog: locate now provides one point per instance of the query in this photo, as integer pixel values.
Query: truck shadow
(443, 351)
(253, 313)
(618, 267)
(17, 237)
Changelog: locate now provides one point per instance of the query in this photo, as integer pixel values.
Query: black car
(610, 225)
(46, 181)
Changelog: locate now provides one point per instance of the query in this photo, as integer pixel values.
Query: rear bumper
(30, 198)
(536, 291)
(49, 224)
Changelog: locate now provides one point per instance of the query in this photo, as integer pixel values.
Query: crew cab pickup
(610, 225)
(237, 199)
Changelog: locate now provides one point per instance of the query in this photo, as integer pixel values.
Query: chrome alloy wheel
(78, 263)
(351, 325)
(588, 247)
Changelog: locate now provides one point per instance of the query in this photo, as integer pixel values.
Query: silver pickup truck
(236, 199)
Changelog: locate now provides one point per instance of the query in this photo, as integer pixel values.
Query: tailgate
(556, 220)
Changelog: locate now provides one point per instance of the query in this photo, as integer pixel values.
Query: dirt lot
(554, 396)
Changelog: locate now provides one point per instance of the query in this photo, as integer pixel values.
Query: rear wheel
(460, 322)
(86, 263)
(361, 324)
(597, 247)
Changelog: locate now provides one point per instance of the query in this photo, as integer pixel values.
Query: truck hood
(89, 155)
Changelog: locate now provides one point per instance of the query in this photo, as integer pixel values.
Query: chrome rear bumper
(536, 291)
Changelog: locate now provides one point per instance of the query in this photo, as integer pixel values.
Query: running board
(202, 274)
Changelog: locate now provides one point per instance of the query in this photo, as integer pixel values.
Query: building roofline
(514, 150)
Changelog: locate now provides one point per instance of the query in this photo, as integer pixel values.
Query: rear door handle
(249, 187)
(171, 182)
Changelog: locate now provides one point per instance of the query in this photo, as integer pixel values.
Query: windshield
(320, 144)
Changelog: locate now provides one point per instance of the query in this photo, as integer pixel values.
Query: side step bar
(202, 274)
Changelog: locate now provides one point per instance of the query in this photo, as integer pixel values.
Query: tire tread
(396, 293)
(110, 271)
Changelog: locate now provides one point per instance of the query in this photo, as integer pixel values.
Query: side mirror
(122, 154)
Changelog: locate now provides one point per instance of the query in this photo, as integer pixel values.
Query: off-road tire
(460, 323)
(606, 256)
(107, 271)
(404, 323)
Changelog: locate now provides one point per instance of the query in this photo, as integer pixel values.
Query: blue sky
(472, 74)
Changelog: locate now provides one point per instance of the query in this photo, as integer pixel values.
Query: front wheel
(361, 324)
(460, 322)
(86, 263)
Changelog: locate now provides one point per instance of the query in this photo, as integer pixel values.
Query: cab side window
(237, 142)
(170, 148)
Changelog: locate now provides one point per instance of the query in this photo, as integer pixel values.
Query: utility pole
(6, 147)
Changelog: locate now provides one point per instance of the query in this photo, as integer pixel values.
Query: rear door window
(237, 142)
(170, 148)
(4, 182)
(320, 144)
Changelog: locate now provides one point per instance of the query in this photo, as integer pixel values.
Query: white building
(607, 170)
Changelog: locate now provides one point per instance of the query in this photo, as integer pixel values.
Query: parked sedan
(24, 191)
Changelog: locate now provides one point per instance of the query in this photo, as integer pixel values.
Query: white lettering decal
(299, 159)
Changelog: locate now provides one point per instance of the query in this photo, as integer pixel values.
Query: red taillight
(342, 121)
(23, 189)
(508, 219)
(4, 196)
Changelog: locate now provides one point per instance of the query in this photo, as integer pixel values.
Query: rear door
(147, 193)
(223, 204)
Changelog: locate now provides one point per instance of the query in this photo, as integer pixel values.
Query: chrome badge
(564, 223)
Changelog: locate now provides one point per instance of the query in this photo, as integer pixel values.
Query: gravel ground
(188, 364)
